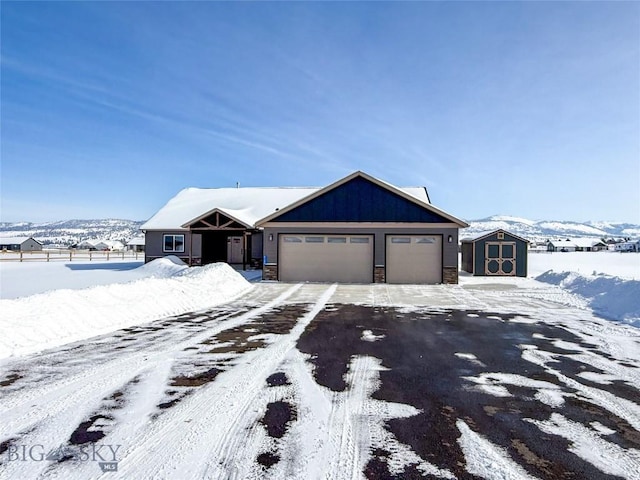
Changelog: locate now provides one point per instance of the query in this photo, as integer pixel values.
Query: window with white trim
(173, 243)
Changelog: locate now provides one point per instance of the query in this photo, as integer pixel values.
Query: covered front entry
(414, 259)
(222, 239)
(326, 258)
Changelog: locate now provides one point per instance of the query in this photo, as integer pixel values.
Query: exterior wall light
(450, 238)
(271, 237)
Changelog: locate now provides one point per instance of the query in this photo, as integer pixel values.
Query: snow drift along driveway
(37, 322)
(611, 297)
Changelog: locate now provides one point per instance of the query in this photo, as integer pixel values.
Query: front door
(234, 250)
(500, 258)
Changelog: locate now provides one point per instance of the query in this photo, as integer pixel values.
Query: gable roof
(140, 240)
(16, 240)
(246, 205)
(488, 233)
(421, 200)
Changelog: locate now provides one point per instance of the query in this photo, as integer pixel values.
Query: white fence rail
(68, 256)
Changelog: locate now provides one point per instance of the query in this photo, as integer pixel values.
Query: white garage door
(326, 258)
(414, 259)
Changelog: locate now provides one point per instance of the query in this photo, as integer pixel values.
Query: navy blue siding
(360, 200)
(521, 253)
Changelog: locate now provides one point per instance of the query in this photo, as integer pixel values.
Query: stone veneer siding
(270, 272)
(450, 275)
(379, 275)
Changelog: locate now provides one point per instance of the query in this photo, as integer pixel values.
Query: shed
(20, 244)
(495, 253)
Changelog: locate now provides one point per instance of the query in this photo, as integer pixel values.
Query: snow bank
(46, 320)
(608, 296)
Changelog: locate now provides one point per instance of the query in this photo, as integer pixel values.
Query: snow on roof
(15, 240)
(579, 242)
(245, 204)
(136, 241)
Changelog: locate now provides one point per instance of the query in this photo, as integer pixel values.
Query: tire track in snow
(51, 416)
(336, 432)
(210, 446)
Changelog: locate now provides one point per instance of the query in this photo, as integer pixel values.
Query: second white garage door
(414, 259)
(326, 258)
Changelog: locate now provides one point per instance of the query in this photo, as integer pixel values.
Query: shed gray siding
(521, 253)
(467, 256)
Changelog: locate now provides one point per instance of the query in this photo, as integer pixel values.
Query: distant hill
(539, 230)
(68, 232)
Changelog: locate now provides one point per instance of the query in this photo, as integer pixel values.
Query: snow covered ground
(310, 381)
(97, 298)
(79, 300)
(615, 264)
(608, 282)
(489, 378)
(28, 278)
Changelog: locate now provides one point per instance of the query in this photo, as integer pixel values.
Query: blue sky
(521, 108)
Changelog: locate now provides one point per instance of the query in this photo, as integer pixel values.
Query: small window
(507, 251)
(314, 239)
(292, 240)
(400, 240)
(337, 240)
(359, 240)
(174, 243)
(426, 240)
(500, 235)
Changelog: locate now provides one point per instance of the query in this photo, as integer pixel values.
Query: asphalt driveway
(321, 381)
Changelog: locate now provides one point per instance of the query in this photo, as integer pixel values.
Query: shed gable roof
(361, 198)
(483, 235)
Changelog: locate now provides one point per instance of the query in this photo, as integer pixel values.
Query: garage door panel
(414, 259)
(326, 258)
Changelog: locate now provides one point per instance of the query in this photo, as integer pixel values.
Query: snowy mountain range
(540, 230)
(68, 232)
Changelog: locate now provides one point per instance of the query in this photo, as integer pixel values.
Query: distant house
(495, 253)
(629, 246)
(579, 244)
(86, 245)
(136, 244)
(565, 245)
(109, 245)
(100, 245)
(20, 244)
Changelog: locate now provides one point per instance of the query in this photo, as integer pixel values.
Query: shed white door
(414, 259)
(500, 258)
(326, 258)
